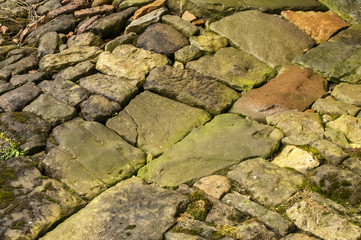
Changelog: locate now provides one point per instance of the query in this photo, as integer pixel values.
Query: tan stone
(101, 2)
(187, 16)
(214, 185)
(293, 88)
(319, 25)
(148, 8)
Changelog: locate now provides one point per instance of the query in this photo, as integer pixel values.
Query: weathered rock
(142, 59)
(25, 129)
(293, 88)
(257, 28)
(36, 77)
(84, 153)
(48, 6)
(223, 214)
(96, 3)
(4, 50)
(95, 10)
(160, 122)
(162, 38)
(188, 224)
(337, 137)
(300, 128)
(55, 62)
(181, 236)
(111, 25)
(335, 108)
(76, 72)
(122, 5)
(281, 182)
(5, 87)
(128, 131)
(209, 155)
(208, 42)
(254, 230)
(234, 68)
(123, 39)
(151, 7)
(140, 24)
(30, 202)
(48, 44)
(65, 91)
(319, 25)
(330, 151)
(185, 27)
(348, 125)
(10, 60)
(350, 36)
(19, 67)
(322, 218)
(61, 24)
(84, 39)
(187, 53)
(296, 158)
(98, 108)
(140, 209)
(192, 89)
(51, 109)
(348, 93)
(214, 185)
(350, 11)
(354, 164)
(17, 99)
(299, 236)
(272, 219)
(109, 64)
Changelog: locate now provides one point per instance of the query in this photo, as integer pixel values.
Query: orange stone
(198, 22)
(148, 8)
(319, 25)
(187, 16)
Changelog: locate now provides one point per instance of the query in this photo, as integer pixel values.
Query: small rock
(76, 72)
(141, 23)
(187, 16)
(123, 39)
(84, 39)
(48, 6)
(187, 54)
(148, 8)
(348, 125)
(330, 151)
(48, 44)
(214, 185)
(185, 27)
(209, 42)
(178, 65)
(98, 108)
(348, 93)
(36, 77)
(335, 108)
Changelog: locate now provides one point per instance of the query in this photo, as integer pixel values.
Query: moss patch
(199, 205)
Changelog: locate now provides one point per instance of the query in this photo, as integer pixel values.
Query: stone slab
(348, 10)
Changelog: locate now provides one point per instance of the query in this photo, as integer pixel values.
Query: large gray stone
(160, 122)
(79, 158)
(258, 28)
(234, 68)
(187, 53)
(268, 183)
(30, 202)
(221, 143)
(140, 24)
(76, 72)
(335, 108)
(348, 125)
(192, 89)
(348, 93)
(48, 44)
(131, 210)
(348, 10)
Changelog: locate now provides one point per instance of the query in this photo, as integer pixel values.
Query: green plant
(10, 152)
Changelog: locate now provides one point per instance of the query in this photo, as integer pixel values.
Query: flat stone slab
(293, 88)
(330, 151)
(348, 125)
(30, 202)
(335, 108)
(214, 185)
(98, 108)
(130, 209)
(78, 159)
(140, 24)
(221, 143)
(350, 11)
(19, 67)
(348, 93)
(185, 27)
(258, 28)
(22, 79)
(158, 122)
(233, 67)
(300, 128)
(76, 72)
(321, 217)
(268, 183)
(192, 89)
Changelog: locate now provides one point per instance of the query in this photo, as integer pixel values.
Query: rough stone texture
(272, 219)
(234, 68)
(351, 36)
(348, 93)
(65, 91)
(132, 3)
(322, 218)
(254, 230)
(181, 236)
(223, 214)
(300, 128)
(4, 50)
(140, 24)
(330, 151)
(160, 122)
(128, 131)
(5, 87)
(208, 42)
(293, 88)
(341, 185)
(191, 225)
(139, 209)
(50, 109)
(22, 66)
(84, 39)
(185, 27)
(349, 10)
(115, 88)
(335, 108)
(109, 64)
(123, 39)
(151, 7)
(25, 129)
(192, 89)
(30, 202)
(36, 77)
(76, 72)
(353, 163)
(214, 185)
(225, 141)
(162, 38)
(48, 6)
(78, 159)
(268, 183)
(296, 158)
(98, 108)
(187, 53)
(48, 44)
(55, 62)
(258, 28)
(319, 25)
(111, 25)
(17, 99)
(299, 236)
(348, 125)
(143, 59)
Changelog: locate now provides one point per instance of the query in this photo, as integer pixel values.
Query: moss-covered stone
(199, 205)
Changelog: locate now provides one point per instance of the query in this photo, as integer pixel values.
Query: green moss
(53, 200)
(130, 227)
(6, 198)
(227, 230)
(18, 224)
(128, 234)
(313, 151)
(199, 205)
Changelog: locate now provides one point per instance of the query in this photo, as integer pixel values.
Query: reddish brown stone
(90, 12)
(293, 88)
(319, 25)
(148, 8)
